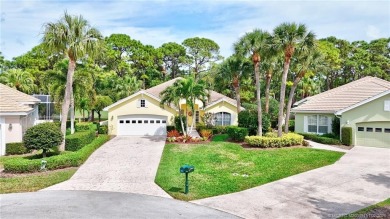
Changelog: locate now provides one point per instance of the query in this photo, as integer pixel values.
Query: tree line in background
(83, 70)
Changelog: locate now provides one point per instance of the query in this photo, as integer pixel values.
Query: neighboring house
(18, 112)
(141, 113)
(363, 105)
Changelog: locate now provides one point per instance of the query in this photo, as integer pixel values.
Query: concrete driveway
(93, 204)
(359, 179)
(123, 164)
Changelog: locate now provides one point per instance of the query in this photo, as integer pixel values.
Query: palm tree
(19, 79)
(254, 44)
(126, 86)
(188, 89)
(232, 70)
(75, 38)
(309, 61)
(287, 37)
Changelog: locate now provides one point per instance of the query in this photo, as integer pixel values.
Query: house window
(197, 116)
(318, 124)
(143, 103)
(222, 118)
(387, 105)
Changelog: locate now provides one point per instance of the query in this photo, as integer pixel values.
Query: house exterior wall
(224, 107)
(129, 107)
(14, 134)
(370, 112)
(300, 120)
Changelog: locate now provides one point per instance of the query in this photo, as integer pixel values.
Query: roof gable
(14, 101)
(345, 97)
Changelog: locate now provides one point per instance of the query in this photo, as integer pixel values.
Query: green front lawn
(223, 167)
(34, 182)
(375, 211)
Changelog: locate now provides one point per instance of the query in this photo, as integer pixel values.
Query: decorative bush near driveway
(224, 167)
(286, 140)
(320, 139)
(65, 159)
(16, 148)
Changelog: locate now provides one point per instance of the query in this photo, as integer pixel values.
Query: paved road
(123, 164)
(359, 179)
(93, 204)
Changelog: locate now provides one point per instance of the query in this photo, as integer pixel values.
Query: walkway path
(325, 147)
(359, 179)
(124, 164)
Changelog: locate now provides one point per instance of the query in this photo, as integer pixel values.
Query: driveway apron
(124, 164)
(359, 179)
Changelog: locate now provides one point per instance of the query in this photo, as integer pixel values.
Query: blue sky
(158, 22)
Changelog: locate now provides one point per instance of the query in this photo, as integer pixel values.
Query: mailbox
(187, 169)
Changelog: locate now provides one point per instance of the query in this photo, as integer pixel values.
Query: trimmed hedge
(346, 135)
(103, 129)
(84, 126)
(16, 148)
(78, 140)
(320, 139)
(286, 140)
(236, 133)
(64, 160)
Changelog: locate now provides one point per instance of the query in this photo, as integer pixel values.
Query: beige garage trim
(373, 134)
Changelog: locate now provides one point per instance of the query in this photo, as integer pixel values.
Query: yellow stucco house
(141, 113)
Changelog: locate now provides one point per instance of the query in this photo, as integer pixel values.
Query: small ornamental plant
(43, 136)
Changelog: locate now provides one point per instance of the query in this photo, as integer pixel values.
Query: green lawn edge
(225, 167)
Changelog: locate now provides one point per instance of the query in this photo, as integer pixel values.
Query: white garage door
(148, 125)
(373, 134)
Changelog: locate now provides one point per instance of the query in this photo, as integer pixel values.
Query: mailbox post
(186, 169)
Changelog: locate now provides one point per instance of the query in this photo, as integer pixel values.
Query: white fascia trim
(301, 101)
(338, 113)
(143, 92)
(15, 113)
(222, 100)
(313, 111)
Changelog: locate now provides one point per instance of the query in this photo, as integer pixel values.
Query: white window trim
(306, 124)
(222, 118)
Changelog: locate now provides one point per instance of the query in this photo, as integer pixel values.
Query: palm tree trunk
(267, 88)
(282, 96)
(67, 100)
(181, 122)
(290, 99)
(72, 114)
(259, 112)
(238, 98)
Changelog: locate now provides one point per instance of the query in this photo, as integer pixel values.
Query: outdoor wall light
(10, 126)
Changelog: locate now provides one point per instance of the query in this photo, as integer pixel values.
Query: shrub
(84, 126)
(206, 133)
(320, 139)
(291, 125)
(200, 127)
(65, 159)
(173, 133)
(236, 133)
(178, 123)
(219, 129)
(103, 129)
(16, 148)
(346, 136)
(286, 140)
(170, 128)
(248, 119)
(43, 136)
(78, 140)
(336, 126)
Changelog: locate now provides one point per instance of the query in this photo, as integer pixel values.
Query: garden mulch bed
(377, 213)
(12, 175)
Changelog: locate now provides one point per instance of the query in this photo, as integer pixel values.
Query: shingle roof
(12, 100)
(344, 96)
(214, 96)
